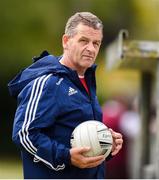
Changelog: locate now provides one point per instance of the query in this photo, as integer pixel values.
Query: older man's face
(84, 46)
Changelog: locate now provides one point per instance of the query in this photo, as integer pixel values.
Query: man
(54, 96)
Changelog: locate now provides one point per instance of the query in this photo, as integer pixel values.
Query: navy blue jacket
(51, 103)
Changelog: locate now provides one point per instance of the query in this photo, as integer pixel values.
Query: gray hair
(86, 18)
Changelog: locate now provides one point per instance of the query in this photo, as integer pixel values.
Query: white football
(93, 134)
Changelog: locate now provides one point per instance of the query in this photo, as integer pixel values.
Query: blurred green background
(29, 27)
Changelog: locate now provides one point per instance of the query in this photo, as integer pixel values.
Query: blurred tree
(146, 24)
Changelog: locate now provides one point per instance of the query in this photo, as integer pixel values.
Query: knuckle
(83, 166)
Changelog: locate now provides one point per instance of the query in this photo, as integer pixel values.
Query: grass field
(10, 168)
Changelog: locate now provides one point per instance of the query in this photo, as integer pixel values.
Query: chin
(87, 65)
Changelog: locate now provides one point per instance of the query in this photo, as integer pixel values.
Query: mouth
(87, 56)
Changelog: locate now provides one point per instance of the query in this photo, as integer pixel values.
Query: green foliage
(28, 27)
(10, 168)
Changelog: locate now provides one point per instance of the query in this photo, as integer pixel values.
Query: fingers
(116, 149)
(89, 162)
(117, 142)
(115, 135)
(79, 160)
(83, 149)
(95, 163)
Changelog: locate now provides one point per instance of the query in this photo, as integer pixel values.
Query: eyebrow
(83, 37)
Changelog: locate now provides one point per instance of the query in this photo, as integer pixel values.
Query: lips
(91, 57)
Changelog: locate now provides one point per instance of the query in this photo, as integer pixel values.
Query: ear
(65, 40)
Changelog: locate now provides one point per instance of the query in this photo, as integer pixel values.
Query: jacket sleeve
(36, 111)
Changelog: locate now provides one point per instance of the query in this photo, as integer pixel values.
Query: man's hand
(117, 142)
(79, 160)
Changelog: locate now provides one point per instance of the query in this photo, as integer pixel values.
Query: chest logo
(71, 91)
(59, 81)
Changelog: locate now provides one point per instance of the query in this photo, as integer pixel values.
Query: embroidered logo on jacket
(59, 81)
(72, 91)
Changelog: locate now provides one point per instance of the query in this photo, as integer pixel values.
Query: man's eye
(96, 44)
(83, 40)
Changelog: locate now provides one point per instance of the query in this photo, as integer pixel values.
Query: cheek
(76, 50)
(97, 51)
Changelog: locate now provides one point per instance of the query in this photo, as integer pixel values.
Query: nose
(90, 47)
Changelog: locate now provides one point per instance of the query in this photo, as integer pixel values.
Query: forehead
(89, 32)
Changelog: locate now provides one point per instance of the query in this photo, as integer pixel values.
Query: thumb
(83, 149)
(112, 132)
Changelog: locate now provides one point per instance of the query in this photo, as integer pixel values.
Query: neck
(81, 76)
(66, 62)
